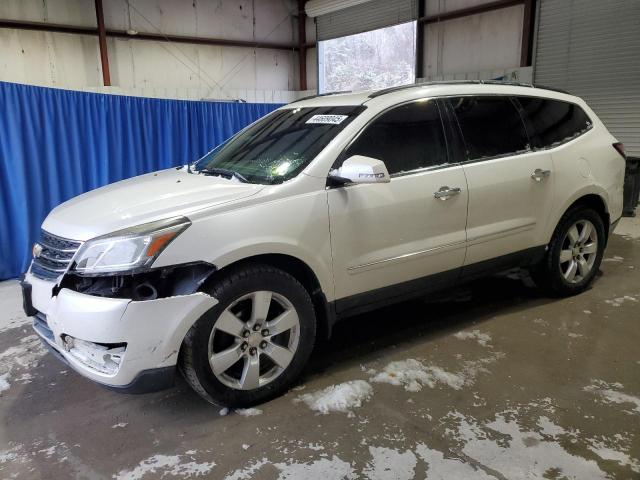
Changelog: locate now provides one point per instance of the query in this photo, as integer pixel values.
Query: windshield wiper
(223, 172)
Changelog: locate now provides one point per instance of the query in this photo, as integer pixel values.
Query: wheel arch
(299, 270)
(593, 200)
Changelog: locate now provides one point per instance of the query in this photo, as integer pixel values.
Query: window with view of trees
(371, 60)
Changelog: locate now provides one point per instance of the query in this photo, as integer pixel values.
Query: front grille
(55, 257)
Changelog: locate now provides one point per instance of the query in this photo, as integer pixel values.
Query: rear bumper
(129, 346)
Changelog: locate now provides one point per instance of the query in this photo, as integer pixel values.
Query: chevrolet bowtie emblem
(37, 250)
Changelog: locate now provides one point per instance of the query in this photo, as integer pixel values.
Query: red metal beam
(102, 40)
(47, 27)
(156, 37)
(302, 39)
(527, 30)
(465, 12)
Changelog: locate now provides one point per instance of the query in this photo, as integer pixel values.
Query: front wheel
(255, 342)
(574, 253)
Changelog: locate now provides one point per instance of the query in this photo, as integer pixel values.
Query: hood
(143, 199)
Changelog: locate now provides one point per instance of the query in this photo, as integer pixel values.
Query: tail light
(619, 146)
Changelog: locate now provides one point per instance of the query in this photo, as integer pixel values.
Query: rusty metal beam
(465, 12)
(527, 34)
(102, 41)
(156, 37)
(47, 27)
(420, 28)
(302, 38)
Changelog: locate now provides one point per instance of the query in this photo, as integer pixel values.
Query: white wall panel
(72, 61)
(69, 12)
(44, 58)
(485, 41)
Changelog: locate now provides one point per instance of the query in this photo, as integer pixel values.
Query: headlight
(134, 248)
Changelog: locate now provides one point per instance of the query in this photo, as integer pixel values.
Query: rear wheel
(255, 342)
(574, 254)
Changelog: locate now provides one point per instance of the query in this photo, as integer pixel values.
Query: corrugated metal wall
(592, 49)
(365, 17)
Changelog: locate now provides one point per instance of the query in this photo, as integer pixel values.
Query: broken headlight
(132, 249)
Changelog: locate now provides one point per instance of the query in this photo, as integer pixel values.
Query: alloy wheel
(254, 340)
(579, 251)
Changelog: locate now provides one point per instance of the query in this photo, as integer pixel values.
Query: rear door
(510, 185)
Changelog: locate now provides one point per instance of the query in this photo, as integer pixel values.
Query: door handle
(446, 192)
(538, 175)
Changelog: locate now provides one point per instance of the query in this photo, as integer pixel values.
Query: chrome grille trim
(55, 257)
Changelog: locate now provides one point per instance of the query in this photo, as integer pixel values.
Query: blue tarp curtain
(56, 144)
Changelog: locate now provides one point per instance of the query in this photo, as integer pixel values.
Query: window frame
(534, 135)
(460, 132)
(445, 133)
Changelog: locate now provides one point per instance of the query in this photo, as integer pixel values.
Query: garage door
(592, 49)
(363, 17)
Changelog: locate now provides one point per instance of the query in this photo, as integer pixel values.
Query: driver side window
(408, 137)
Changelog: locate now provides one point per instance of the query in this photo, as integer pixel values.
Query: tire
(237, 293)
(555, 274)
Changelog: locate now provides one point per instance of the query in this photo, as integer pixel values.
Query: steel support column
(302, 39)
(102, 40)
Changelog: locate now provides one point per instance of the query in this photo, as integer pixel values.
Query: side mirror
(360, 169)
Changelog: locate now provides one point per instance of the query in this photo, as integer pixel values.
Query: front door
(392, 240)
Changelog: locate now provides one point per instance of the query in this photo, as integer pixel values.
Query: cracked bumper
(152, 330)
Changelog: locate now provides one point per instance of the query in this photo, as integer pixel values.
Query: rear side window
(491, 126)
(406, 138)
(552, 121)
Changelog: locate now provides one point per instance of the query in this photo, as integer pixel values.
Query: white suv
(230, 268)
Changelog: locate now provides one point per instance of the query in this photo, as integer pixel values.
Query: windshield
(279, 146)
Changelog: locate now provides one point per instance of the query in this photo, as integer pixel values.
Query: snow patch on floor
(504, 446)
(14, 454)
(248, 412)
(441, 468)
(615, 258)
(158, 466)
(4, 383)
(607, 453)
(610, 393)
(390, 464)
(120, 425)
(547, 427)
(413, 374)
(482, 338)
(18, 358)
(12, 315)
(619, 301)
(248, 472)
(410, 373)
(338, 398)
(323, 469)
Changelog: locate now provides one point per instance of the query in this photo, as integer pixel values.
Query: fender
(560, 210)
(263, 246)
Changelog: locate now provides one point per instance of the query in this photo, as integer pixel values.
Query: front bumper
(150, 331)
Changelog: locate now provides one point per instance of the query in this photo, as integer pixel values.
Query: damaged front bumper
(124, 344)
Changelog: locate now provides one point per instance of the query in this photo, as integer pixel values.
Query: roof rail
(319, 95)
(460, 82)
(553, 89)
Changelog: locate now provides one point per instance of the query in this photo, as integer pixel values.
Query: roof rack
(461, 82)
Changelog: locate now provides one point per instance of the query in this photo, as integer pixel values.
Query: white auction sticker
(327, 119)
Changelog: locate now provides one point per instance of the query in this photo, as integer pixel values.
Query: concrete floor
(495, 381)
